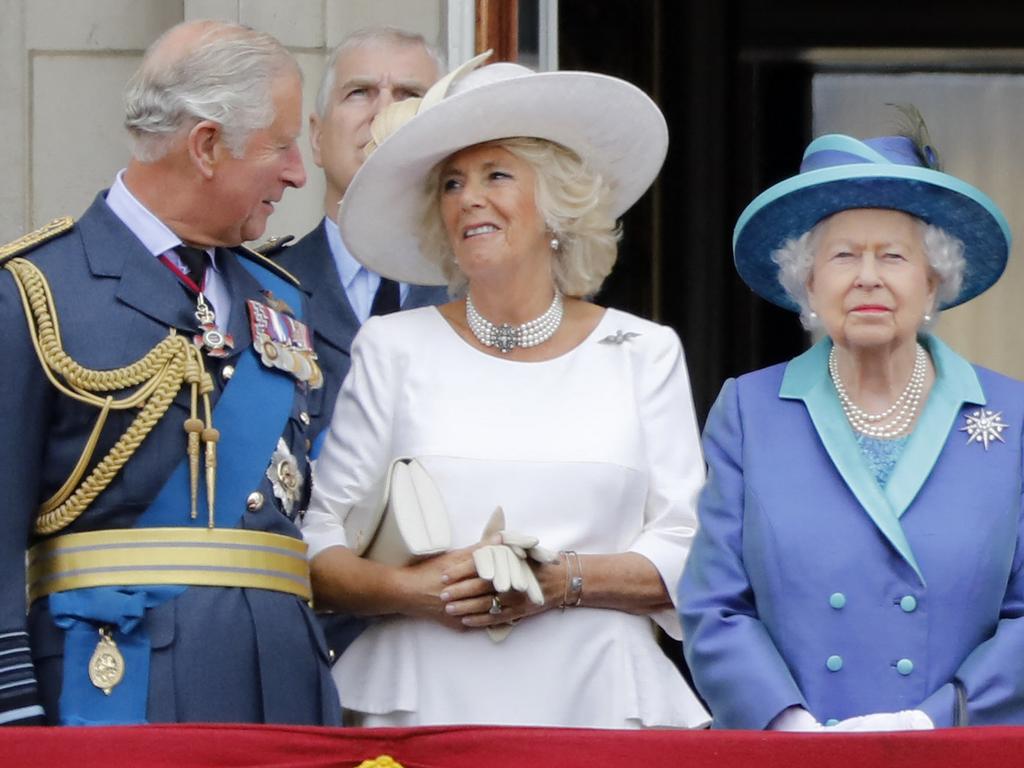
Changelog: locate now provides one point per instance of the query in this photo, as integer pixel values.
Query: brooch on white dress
(984, 426)
(619, 337)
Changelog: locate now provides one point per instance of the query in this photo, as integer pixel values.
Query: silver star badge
(619, 337)
(984, 426)
(285, 477)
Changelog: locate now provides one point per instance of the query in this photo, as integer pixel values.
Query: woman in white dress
(576, 420)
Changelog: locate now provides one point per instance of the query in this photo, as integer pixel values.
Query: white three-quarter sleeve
(675, 464)
(356, 452)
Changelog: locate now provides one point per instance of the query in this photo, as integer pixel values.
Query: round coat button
(904, 666)
(834, 663)
(908, 603)
(227, 372)
(837, 600)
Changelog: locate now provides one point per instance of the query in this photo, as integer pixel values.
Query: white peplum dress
(595, 451)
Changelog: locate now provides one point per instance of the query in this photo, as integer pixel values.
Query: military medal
(277, 304)
(106, 667)
(210, 337)
(285, 477)
(284, 343)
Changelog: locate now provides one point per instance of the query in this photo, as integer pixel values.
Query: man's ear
(206, 146)
(314, 138)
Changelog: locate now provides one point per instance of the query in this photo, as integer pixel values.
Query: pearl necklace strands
(894, 420)
(508, 337)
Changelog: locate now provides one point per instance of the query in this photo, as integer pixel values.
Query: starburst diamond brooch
(984, 426)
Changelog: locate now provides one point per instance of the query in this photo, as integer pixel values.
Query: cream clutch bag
(410, 523)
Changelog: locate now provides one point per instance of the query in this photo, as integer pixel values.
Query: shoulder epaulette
(263, 261)
(26, 243)
(274, 245)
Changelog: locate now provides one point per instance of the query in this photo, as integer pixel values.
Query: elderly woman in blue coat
(858, 563)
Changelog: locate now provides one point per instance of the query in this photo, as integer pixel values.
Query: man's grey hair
(225, 76)
(369, 36)
(945, 254)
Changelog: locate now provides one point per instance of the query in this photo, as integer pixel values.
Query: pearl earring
(813, 315)
(555, 243)
(927, 317)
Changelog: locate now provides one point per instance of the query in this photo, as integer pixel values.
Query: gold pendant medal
(106, 667)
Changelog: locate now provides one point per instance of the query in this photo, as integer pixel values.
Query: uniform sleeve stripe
(13, 667)
(23, 713)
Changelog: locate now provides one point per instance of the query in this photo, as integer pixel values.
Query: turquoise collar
(956, 383)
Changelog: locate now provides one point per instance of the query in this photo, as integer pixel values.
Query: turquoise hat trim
(837, 142)
(793, 206)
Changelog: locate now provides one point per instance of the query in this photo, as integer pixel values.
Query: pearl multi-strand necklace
(897, 417)
(507, 337)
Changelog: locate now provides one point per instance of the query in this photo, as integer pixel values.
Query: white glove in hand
(500, 565)
(505, 565)
(528, 547)
(795, 720)
(906, 720)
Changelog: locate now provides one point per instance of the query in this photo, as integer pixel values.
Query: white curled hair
(795, 259)
(226, 77)
(369, 36)
(575, 203)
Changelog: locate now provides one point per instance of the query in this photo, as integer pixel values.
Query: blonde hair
(575, 204)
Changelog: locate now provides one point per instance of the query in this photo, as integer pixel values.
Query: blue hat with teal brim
(839, 173)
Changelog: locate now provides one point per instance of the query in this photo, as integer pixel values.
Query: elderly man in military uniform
(156, 414)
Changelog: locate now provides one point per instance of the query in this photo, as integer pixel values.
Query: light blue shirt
(360, 283)
(161, 241)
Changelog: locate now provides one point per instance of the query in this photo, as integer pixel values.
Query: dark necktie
(386, 300)
(195, 260)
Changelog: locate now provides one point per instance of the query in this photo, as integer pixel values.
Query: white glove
(494, 564)
(528, 547)
(906, 720)
(502, 566)
(795, 720)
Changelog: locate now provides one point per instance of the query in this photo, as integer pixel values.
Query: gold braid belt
(156, 379)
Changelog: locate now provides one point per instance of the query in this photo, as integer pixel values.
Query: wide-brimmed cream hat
(611, 124)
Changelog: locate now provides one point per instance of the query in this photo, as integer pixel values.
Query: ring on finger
(495, 608)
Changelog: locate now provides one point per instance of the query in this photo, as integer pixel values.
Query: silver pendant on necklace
(507, 337)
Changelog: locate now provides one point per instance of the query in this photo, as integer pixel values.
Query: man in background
(367, 71)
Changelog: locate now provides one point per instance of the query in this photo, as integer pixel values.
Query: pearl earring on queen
(927, 317)
(555, 243)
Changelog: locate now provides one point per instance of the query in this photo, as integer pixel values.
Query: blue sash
(255, 408)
